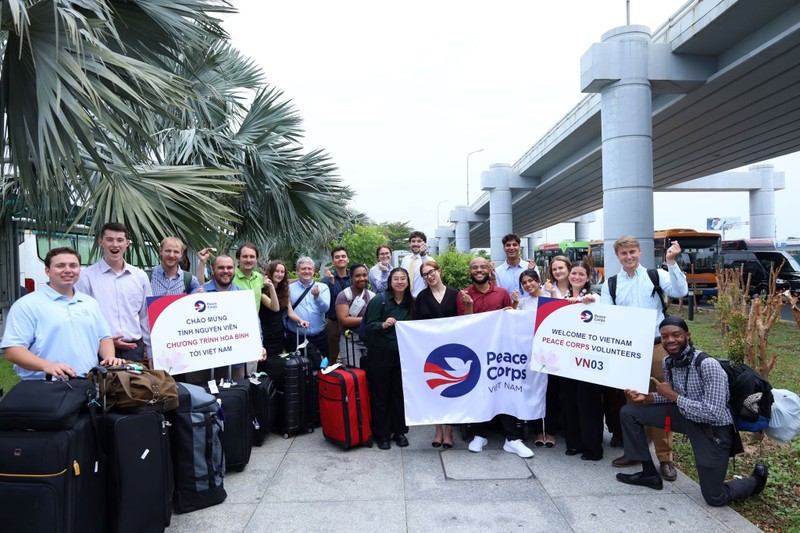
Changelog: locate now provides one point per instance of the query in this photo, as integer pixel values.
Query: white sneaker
(477, 444)
(517, 447)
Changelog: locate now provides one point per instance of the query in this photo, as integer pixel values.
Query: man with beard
(121, 289)
(480, 297)
(694, 398)
(222, 273)
(169, 277)
(419, 254)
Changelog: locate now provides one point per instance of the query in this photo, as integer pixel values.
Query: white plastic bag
(784, 423)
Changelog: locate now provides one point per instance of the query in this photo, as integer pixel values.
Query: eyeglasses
(429, 274)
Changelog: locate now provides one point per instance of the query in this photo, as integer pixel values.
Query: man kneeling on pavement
(694, 401)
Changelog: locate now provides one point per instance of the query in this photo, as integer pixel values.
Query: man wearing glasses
(480, 297)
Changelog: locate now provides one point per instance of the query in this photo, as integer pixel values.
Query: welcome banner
(191, 332)
(470, 368)
(604, 344)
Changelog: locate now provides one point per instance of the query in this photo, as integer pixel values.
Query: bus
(574, 251)
(701, 250)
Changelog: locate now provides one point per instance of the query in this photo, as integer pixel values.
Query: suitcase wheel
(285, 435)
(310, 430)
(369, 443)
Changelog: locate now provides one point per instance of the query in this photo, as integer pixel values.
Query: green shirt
(253, 283)
(377, 313)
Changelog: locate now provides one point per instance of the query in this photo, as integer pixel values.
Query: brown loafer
(668, 471)
(622, 462)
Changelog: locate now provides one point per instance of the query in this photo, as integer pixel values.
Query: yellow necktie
(413, 271)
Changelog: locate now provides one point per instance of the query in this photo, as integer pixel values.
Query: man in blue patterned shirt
(693, 400)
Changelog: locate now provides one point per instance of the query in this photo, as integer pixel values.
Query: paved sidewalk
(306, 484)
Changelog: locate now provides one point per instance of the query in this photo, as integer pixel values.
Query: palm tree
(133, 110)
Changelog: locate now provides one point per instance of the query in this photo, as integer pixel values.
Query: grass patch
(778, 507)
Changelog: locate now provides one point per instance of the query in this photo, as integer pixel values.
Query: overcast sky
(399, 93)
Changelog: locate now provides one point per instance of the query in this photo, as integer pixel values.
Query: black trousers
(510, 424)
(134, 354)
(711, 445)
(385, 383)
(551, 423)
(583, 416)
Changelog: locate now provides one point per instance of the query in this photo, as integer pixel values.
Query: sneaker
(517, 447)
(477, 444)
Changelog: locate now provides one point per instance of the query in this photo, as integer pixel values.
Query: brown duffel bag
(135, 389)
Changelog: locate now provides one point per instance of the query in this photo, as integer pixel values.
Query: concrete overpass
(723, 78)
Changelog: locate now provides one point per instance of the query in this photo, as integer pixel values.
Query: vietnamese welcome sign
(204, 330)
(604, 344)
(470, 368)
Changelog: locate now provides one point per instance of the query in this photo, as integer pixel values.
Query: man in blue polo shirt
(58, 330)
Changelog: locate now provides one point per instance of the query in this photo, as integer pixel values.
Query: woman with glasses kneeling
(436, 301)
(384, 377)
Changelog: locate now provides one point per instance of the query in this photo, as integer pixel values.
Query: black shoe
(616, 442)
(384, 444)
(653, 482)
(589, 457)
(760, 472)
(573, 451)
(401, 440)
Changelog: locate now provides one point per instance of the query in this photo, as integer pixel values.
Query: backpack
(652, 273)
(187, 281)
(751, 397)
(362, 328)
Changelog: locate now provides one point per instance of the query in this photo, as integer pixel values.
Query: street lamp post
(469, 154)
(437, 212)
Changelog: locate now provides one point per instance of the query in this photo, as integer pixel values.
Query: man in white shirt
(121, 290)
(419, 254)
(634, 288)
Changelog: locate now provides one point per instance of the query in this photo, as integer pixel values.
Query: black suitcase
(264, 398)
(52, 481)
(237, 418)
(139, 472)
(298, 397)
(197, 457)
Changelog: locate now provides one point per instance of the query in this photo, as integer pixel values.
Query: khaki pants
(662, 441)
(332, 330)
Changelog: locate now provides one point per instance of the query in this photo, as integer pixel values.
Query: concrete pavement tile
(425, 480)
(249, 485)
(274, 443)
(642, 512)
(489, 464)
(386, 516)
(227, 517)
(337, 476)
(490, 515)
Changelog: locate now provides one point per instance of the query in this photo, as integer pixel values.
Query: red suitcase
(344, 407)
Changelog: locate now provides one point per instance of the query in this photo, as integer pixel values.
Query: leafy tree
(396, 234)
(361, 243)
(455, 267)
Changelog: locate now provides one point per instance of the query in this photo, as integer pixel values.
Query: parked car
(757, 264)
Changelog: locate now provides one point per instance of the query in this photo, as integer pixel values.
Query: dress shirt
(378, 279)
(507, 277)
(56, 328)
(636, 291)
(310, 309)
(161, 284)
(419, 283)
(254, 283)
(122, 297)
(492, 300)
(702, 392)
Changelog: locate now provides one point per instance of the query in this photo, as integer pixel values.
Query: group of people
(101, 312)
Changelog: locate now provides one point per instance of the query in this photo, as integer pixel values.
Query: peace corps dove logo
(456, 370)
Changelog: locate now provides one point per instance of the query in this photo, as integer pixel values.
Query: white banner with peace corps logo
(470, 368)
(192, 332)
(604, 344)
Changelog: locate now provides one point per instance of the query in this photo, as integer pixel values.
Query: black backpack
(652, 273)
(750, 394)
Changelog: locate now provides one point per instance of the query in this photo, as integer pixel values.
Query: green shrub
(455, 268)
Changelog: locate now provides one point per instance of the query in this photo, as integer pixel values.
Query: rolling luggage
(344, 407)
(52, 481)
(237, 418)
(298, 400)
(196, 443)
(139, 472)
(264, 398)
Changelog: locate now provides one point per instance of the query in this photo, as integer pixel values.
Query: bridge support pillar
(498, 180)
(762, 203)
(444, 234)
(617, 68)
(460, 217)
